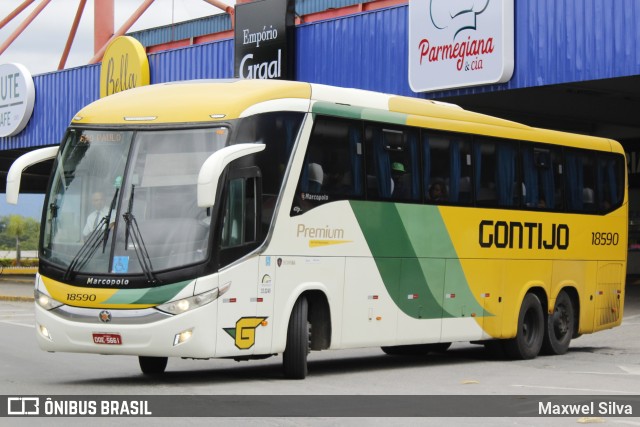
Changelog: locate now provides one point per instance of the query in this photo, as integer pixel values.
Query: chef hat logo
(456, 15)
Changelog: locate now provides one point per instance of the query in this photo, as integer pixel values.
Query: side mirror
(212, 168)
(21, 163)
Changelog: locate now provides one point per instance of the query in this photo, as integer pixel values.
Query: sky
(40, 45)
(29, 205)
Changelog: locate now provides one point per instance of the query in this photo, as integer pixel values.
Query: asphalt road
(601, 364)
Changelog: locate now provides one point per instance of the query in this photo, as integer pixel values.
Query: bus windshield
(117, 197)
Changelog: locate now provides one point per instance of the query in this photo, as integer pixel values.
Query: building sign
(263, 39)
(17, 97)
(124, 66)
(458, 43)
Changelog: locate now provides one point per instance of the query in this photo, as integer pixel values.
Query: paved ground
(16, 288)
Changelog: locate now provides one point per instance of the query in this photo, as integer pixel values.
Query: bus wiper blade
(87, 249)
(53, 209)
(107, 230)
(132, 230)
(91, 245)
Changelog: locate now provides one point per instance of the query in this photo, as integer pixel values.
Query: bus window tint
(495, 173)
(580, 181)
(610, 182)
(332, 168)
(278, 131)
(392, 164)
(542, 177)
(447, 168)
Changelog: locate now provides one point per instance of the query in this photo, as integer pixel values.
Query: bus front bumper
(126, 332)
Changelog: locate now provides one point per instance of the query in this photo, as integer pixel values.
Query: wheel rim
(561, 321)
(529, 327)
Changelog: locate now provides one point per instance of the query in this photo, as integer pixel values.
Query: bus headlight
(45, 301)
(186, 304)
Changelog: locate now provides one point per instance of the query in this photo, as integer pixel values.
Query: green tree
(31, 235)
(6, 242)
(17, 228)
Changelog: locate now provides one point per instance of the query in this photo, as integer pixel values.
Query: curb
(16, 298)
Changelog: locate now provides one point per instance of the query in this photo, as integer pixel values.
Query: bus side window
(580, 181)
(496, 174)
(332, 169)
(239, 224)
(446, 160)
(392, 164)
(542, 173)
(610, 182)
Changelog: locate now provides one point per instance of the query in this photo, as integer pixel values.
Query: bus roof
(209, 101)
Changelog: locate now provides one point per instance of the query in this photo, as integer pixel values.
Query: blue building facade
(556, 42)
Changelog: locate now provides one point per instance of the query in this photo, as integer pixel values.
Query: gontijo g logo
(245, 331)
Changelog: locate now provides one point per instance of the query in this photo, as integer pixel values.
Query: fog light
(44, 332)
(182, 337)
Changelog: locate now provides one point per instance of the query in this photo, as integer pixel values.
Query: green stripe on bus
(126, 296)
(331, 109)
(384, 116)
(162, 294)
(416, 259)
(157, 295)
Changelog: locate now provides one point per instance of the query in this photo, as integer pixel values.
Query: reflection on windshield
(92, 194)
(88, 172)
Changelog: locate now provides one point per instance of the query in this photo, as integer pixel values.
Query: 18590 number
(604, 239)
(81, 297)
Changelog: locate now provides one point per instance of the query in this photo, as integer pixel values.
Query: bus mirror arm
(213, 167)
(20, 164)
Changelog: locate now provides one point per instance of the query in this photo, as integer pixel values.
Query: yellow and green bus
(245, 219)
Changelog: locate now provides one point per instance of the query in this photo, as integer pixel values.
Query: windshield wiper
(87, 249)
(94, 239)
(139, 247)
(53, 222)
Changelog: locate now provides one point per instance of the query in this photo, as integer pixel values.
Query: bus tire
(294, 358)
(530, 332)
(152, 365)
(559, 326)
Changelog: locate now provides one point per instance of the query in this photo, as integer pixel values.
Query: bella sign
(17, 98)
(458, 43)
(124, 66)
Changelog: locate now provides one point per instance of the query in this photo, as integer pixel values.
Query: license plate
(109, 339)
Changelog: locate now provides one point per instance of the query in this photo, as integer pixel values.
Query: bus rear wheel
(152, 365)
(294, 358)
(530, 333)
(558, 328)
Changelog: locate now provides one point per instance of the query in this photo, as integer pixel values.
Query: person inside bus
(400, 189)
(437, 192)
(100, 210)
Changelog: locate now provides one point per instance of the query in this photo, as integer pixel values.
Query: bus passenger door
(240, 327)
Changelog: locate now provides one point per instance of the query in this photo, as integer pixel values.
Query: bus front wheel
(528, 340)
(152, 365)
(294, 358)
(559, 326)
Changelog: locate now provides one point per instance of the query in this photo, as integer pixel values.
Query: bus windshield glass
(117, 197)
